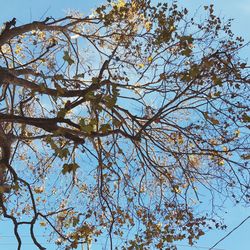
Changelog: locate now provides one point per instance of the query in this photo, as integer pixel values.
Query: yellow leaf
(172, 28)
(237, 132)
(120, 4)
(221, 163)
(148, 26)
(150, 59)
(177, 190)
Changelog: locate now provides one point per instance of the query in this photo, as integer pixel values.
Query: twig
(229, 233)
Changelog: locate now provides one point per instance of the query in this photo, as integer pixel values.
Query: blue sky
(29, 10)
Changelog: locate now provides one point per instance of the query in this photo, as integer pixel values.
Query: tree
(121, 124)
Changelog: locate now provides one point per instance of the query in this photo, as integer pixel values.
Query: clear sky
(29, 10)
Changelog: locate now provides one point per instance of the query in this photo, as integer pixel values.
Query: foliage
(125, 122)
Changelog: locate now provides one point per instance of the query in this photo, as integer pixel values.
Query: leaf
(61, 113)
(74, 244)
(110, 101)
(95, 80)
(43, 223)
(245, 118)
(105, 128)
(150, 59)
(90, 96)
(39, 190)
(245, 157)
(59, 89)
(58, 77)
(141, 65)
(75, 221)
(188, 39)
(186, 52)
(237, 133)
(67, 58)
(117, 122)
(68, 168)
(171, 28)
(211, 119)
(221, 162)
(5, 188)
(169, 238)
(214, 121)
(243, 65)
(88, 128)
(81, 122)
(163, 76)
(62, 153)
(148, 26)
(79, 76)
(217, 80)
(120, 4)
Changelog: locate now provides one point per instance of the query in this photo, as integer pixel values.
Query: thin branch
(223, 238)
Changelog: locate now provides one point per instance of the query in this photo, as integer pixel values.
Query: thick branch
(50, 125)
(8, 78)
(11, 33)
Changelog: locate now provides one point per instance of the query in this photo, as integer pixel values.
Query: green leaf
(67, 58)
(87, 128)
(81, 122)
(105, 128)
(90, 96)
(110, 101)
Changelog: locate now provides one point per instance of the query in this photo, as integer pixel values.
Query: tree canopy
(122, 124)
